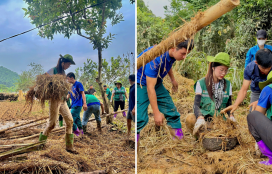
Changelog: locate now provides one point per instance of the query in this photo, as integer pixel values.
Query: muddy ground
(109, 151)
(159, 153)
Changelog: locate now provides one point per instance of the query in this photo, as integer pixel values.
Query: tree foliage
(116, 69)
(27, 78)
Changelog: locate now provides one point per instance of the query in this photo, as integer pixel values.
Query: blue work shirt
(265, 99)
(253, 73)
(252, 51)
(157, 68)
(131, 97)
(76, 96)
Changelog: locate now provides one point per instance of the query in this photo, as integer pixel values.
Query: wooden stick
(9, 145)
(3, 130)
(28, 126)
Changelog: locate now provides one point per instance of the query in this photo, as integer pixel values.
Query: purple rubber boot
(81, 131)
(138, 137)
(124, 114)
(115, 115)
(178, 133)
(76, 132)
(266, 151)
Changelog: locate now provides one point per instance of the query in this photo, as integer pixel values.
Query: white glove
(127, 100)
(199, 123)
(110, 100)
(232, 119)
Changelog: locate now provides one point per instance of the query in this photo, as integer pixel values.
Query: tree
(150, 29)
(116, 69)
(27, 78)
(88, 23)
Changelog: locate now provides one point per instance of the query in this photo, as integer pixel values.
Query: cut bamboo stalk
(3, 130)
(59, 129)
(188, 30)
(21, 150)
(27, 127)
(9, 145)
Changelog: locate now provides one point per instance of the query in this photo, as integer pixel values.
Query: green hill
(8, 77)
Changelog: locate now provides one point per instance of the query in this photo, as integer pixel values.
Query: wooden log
(3, 130)
(198, 22)
(62, 128)
(21, 150)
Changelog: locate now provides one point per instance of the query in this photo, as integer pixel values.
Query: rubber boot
(115, 116)
(76, 132)
(84, 129)
(99, 126)
(69, 139)
(266, 151)
(178, 133)
(81, 131)
(124, 114)
(42, 137)
(60, 123)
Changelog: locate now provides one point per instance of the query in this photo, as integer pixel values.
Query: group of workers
(70, 111)
(213, 93)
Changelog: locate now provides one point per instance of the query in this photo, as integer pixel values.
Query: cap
(261, 34)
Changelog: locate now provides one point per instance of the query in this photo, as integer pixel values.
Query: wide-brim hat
(69, 58)
(267, 82)
(118, 82)
(222, 58)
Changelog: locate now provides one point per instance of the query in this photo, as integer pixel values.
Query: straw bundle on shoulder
(48, 87)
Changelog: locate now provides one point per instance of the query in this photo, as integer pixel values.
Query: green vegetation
(8, 77)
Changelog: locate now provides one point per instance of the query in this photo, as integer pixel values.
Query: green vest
(118, 92)
(55, 70)
(109, 93)
(269, 110)
(207, 105)
(91, 99)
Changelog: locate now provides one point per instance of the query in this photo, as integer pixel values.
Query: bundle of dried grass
(48, 87)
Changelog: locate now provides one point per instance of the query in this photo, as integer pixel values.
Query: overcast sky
(18, 52)
(156, 6)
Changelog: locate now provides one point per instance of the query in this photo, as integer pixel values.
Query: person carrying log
(119, 95)
(261, 39)
(93, 105)
(212, 94)
(150, 89)
(78, 101)
(254, 73)
(259, 125)
(108, 94)
(56, 107)
(131, 108)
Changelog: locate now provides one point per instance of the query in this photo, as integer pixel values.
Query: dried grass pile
(159, 153)
(48, 87)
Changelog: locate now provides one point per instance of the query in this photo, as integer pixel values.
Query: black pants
(60, 118)
(117, 104)
(260, 127)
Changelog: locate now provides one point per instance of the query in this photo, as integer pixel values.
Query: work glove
(232, 119)
(199, 123)
(128, 100)
(110, 100)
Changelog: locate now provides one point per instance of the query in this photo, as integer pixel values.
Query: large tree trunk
(105, 100)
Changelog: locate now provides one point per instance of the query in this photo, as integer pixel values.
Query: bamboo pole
(62, 128)
(3, 130)
(188, 30)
